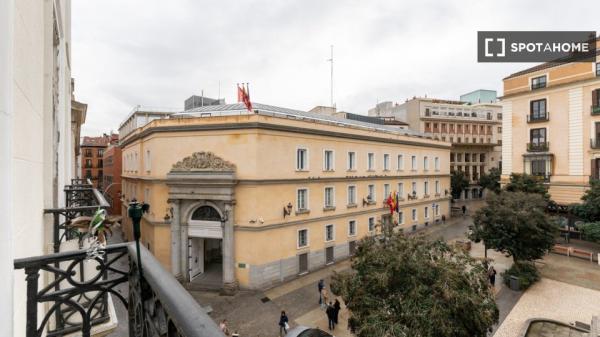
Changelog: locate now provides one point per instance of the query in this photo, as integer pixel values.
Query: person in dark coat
(283, 323)
(464, 210)
(321, 285)
(331, 316)
(492, 276)
(336, 307)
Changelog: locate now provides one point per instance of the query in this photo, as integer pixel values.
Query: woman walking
(283, 324)
(336, 310)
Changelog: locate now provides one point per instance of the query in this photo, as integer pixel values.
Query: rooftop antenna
(331, 88)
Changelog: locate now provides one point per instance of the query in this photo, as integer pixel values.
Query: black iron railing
(538, 147)
(531, 118)
(595, 110)
(157, 304)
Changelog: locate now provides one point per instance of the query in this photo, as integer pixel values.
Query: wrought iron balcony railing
(157, 304)
(538, 118)
(542, 177)
(538, 147)
(595, 110)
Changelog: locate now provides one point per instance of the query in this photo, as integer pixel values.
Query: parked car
(304, 331)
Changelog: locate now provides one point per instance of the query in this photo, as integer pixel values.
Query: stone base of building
(564, 194)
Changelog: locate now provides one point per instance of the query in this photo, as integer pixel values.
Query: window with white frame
(400, 162)
(301, 159)
(436, 208)
(426, 187)
(401, 190)
(351, 161)
(437, 187)
(371, 224)
(386, 162)
(414, 214)
(371, 195)
(303, 238)
(352, 195)
(370, 161)
(328, 160)
(425, 163)
(148, 164)
(329, 197)
(352, 227)
(329, 233)
(386, 191)
(400, 218)
(436, 163)
(414, 188)
(426, 212)
(413, 161)
(136, 162)
(302, 199)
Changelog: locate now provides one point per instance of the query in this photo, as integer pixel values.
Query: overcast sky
(158, 53)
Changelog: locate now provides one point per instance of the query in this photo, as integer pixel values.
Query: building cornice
(551, 88)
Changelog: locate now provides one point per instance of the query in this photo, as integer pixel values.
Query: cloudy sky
(158, 53)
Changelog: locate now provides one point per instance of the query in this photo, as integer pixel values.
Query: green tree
(589, 210)
(490, 180)
(590, 231)
(528, 184)
(408, 286)
(516, 224)
(458, 183)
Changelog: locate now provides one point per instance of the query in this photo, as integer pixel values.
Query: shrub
(526, 272)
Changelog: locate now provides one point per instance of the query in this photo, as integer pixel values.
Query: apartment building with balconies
(474, 129)
(552, 126)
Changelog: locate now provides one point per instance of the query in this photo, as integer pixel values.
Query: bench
(582, 254)
(558, 249)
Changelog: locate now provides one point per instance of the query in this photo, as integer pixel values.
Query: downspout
(6, 122)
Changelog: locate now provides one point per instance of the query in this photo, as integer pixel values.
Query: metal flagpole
(331, 83)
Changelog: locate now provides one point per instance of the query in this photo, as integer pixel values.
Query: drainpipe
(6, 199)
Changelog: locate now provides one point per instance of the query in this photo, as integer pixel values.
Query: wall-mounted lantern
(287, 210)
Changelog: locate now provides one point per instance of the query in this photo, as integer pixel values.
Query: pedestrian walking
(336, 308)
(223, 327)
(492, 276)
(321, 285)
(325, 297)
(283, 324)
(330, 316)
(464, 210)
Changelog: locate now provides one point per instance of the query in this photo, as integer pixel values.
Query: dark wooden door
(303, 263)
(329, 255)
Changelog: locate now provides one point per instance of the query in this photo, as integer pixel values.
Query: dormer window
(538, 82)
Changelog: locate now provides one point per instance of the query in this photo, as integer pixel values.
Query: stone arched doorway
(205, 247)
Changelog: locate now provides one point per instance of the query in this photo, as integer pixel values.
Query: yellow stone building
(253, 199)
(551, 126)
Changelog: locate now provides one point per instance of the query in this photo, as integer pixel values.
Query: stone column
(176, 240)
(183, 248)
(230, 284)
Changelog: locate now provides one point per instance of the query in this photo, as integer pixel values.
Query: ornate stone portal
(202, 179)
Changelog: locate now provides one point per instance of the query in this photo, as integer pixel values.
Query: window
(426, 188)
(88, 174)
(147, 162)
(595, 101)
(437, 210)
(425, 163)
(414, 214)
(351, 161)
(327, 160)
(371, 195)
(329, 233)
(537, 136)
(499, 115)
(303, 238)
(386, 162)
(351, 227)
(371, 224)
(426, 212)
(538, 82)
(386, 191)
(370, 161)
(538, 167)
(88, 152)
(400, 162)
(436, 163)
(351, 195)
(400, 218)
(499, 129)
(414, 188)
(597, 68)
(537, 109)
(100, 152)
(302, 201)
(88, 163)
(452, 157)
(401, 190)
(413, 162)
(301, 159)
(482, 157)
(467, 157)
(329, 197)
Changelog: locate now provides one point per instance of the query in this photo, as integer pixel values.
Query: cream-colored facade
(290, 189)
(552, 127)
(39, 131)
(473, 129)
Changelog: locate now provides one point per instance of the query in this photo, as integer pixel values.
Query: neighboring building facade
(473, 129)
(39, 128)
(552, 126)
(480, 96)
(112, 176)
(92, 149)
(265, 196)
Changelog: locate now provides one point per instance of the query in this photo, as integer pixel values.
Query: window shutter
(595, 97)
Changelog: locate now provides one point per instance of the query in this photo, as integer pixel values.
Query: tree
(408, 286)
(491, 180)
(590, 231)
(516, 224)
(589, 210)
(458, 183)
(528, 184)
